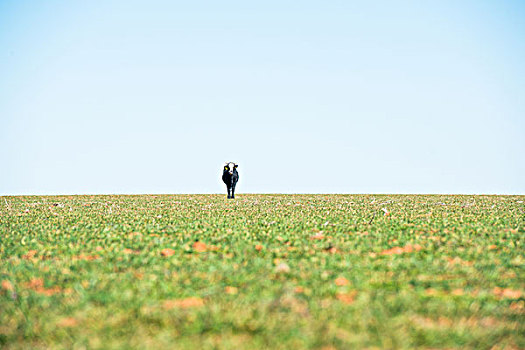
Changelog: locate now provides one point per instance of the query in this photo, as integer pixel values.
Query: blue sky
(306, 96)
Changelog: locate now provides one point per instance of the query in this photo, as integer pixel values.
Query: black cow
(230, 176)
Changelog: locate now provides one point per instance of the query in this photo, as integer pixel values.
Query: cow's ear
(236, 166)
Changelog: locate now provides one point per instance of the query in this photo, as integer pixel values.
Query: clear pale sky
(306, 96)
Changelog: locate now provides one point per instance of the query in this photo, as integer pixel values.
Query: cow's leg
(228, 189)
(233, 190)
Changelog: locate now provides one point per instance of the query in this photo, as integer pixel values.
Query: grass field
(262, 271)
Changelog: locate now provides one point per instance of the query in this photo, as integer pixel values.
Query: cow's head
(229, 167)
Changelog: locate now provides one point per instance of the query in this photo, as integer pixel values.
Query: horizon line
(265, 193)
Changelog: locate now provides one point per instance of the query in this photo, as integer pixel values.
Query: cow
(230, 176)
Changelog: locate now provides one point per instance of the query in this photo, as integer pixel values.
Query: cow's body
(230, 176)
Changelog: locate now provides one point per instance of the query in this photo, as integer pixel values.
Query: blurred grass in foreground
(262, 271)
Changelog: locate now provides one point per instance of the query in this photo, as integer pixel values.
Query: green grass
(268, 271)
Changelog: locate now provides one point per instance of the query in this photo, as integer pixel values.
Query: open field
(262, 271)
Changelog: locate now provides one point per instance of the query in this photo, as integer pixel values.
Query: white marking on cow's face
(231, 166)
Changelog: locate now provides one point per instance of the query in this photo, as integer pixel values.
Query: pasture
(262, 271)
